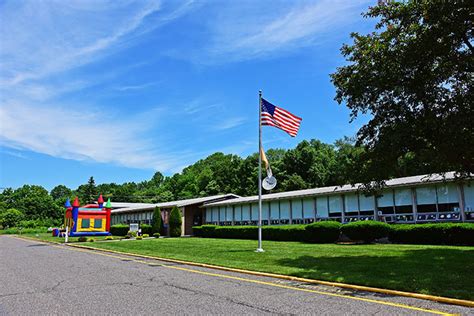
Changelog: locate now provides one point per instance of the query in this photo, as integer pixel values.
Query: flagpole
(260, 249)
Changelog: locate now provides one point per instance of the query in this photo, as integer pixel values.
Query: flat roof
(397, 182)
(123, 207)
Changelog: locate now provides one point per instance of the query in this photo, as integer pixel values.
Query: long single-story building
(417, 199)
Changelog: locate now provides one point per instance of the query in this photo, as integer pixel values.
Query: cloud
(82, 135)
(62, 35)
(229, 123)
(242, 32)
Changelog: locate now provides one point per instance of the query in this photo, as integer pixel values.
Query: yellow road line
(98, 252)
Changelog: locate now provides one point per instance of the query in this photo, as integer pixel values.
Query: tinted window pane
(296, 209)
(308, 208)
(275, 212)
(246, 212)
(284, 210)
(351, 203)
(322, 206)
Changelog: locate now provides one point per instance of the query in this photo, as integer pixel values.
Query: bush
(139, 238)
(282, 233)
(119, 229)
(323, 232)
(82, 239)
(146, 229)
(434, 234)
(131, 234)
(145, 235)
(17, 231)
(366, 231)
(109, 238)
(197, 231)
(157, 223)
(175, 222)
(11, 217)
(90, 239)
(156, 235)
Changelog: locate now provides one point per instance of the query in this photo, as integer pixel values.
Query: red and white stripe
(283, 120)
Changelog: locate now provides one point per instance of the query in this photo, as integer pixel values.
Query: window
(221, 213)
(335, 206)
(426, 199)
(352, 204)
(229, 213)
(85, 223)
(403, 201)
(265, 211)
(246, 212)
(469, 197)
(208, 215)
(215, 214)
(296, 209)
(285, 210)
(322, 207)
(255, 212)
(448, 199)
(366, 204)
(308, 208)
(275, 210)
(238, 213)
(98, 223)
(385, 202)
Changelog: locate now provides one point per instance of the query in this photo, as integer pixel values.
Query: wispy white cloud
(81, 135)
(43, 46)
(229, 123)
(244, 32)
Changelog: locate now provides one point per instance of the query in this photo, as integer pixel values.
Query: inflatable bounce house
(88, 220)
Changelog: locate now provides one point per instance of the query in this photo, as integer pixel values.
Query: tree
(60, 192)
(11, 217)
(35, 202)
(175, 222)
(90, 191)
(156, 225)
(413, 75)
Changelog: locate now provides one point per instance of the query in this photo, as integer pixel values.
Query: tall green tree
(413, 75)
(60, 192)
(157, 223)
(175, 222)
(11, 217)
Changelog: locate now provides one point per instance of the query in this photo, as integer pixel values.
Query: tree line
(310, 164)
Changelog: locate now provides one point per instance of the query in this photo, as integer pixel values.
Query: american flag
(275, 116)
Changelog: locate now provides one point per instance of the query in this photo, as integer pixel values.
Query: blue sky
(120, 89)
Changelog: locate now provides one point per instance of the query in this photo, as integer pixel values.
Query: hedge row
(320, 232)
(365, 231)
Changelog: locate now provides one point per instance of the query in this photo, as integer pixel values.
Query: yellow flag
(264, 158)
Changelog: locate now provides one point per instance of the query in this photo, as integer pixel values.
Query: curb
(440, 299)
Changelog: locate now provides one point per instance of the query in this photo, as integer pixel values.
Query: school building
(417, 199)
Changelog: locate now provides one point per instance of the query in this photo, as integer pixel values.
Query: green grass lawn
(437, 270)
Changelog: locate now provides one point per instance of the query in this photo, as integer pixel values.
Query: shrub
(139, 238)
(11, 217)
(285, 233)
(119, 229)
(157, 223)
(323, 232)
(197, 231)
(126, 237)
(146, 229)
(175, 222)
(366, 231)
(44, 222)
(90, 239)
(145, 235)
(434, 234)
(208, 231)
(109, 238)
(131, 234)
(17, 231)
(82, 239)
(156, 235)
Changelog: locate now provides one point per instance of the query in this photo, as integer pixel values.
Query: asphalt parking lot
(40, 279)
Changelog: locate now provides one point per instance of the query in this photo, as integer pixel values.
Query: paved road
(40, 279)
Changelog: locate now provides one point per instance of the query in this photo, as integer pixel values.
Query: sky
(118, 90)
